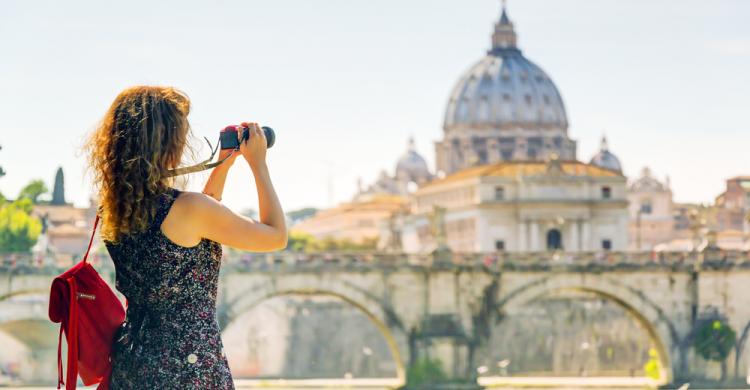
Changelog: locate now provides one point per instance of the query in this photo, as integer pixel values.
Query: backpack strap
(72, 333)
(93, 232)
(72, 374)
(59, 358)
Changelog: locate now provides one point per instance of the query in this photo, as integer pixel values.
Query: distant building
(733, 205)
(508, 178)
(523, 206)
(410, 172)
(368, 216)
(724, 224)
(652, 212)
(66, 228)
(356, 221)
(513, 181)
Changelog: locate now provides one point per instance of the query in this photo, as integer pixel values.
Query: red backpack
(89, 313)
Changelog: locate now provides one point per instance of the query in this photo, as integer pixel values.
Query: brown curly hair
(143, 134)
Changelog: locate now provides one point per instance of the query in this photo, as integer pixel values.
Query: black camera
(228, 137)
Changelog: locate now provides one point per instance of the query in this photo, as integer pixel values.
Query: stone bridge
(443, 306)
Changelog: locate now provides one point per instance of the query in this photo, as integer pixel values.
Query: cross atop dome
(604, 147)
(504, 16)
(411, 146)
(504, 37)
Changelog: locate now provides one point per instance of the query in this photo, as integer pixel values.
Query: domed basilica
(507, 177)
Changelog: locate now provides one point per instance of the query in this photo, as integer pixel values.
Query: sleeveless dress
(170, 338)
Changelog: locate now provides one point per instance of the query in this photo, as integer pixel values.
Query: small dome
(411, 166)
(606, 159)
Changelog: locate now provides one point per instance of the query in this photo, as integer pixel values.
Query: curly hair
(143, 135)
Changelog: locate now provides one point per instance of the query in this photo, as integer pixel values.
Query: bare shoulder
(195, 204)
(183, 222)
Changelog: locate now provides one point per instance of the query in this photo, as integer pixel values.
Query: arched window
(554, 239)
(646, 207)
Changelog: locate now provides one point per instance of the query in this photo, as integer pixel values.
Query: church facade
(522, 206)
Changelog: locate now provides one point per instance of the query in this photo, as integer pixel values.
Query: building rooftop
(512, 169)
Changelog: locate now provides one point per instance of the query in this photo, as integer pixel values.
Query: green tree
(304, 213)
(300, 242)
(33, 190)
(303, 242)
(18, 229)
(58, 193)
(424, 373)
(714, 340)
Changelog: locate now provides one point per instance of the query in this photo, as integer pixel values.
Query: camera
(228, 136)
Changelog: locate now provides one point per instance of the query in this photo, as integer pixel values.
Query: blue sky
(346, 82)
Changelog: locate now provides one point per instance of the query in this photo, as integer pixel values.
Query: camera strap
(201, 166)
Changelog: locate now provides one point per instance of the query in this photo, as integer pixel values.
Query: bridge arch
(30, 345)
(384, 319)
(26, 311)
(649, 315)
(16, 293)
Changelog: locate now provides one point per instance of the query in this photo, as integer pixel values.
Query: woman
(165, 243)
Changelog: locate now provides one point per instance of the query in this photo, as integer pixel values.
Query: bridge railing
(496, 260)
(19, 263)
(26, 263)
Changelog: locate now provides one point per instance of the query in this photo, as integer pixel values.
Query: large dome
(504, 108)
(505, 89)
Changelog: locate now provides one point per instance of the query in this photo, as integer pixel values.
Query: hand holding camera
(250, 139)
(254, 146)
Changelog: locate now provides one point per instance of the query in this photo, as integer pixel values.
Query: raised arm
(214, 221)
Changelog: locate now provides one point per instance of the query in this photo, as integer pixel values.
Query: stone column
(535, 236)
(586, 236)
(520, 152)
(493, 150)
(467, 152)
(575, 245)
(522, 239)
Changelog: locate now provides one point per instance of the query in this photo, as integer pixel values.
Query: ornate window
(646, 207)
(499, 193)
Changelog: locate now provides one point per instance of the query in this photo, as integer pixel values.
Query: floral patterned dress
(170, 338)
